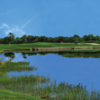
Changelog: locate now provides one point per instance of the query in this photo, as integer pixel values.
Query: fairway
(5, 47)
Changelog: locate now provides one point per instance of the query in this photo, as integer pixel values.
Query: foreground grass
(10, 83)
(32, 87)
(12, 95)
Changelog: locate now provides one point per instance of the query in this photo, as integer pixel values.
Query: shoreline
(65, 48)
(47, 47)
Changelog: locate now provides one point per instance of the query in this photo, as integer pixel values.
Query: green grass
(15, 47)
(32, 87)
(12, 95)
(39, 45)
(63, 91)
(11, 83)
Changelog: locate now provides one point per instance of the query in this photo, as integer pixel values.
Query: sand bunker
(88, 43)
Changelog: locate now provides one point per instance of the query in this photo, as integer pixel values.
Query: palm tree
(12, 37)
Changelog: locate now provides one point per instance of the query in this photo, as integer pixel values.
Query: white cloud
(4, 26)
(16, 30)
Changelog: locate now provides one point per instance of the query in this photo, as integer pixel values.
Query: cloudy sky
(50, 18)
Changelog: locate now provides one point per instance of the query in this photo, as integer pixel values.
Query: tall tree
(24, 39)
(36, 39)
(76, 38)
(12, 37)
(30, 38)
(85, 38)
(66, 39)
(61, 38)
(17, 40)
(6, 40)
(1, 40)
(49, 39)
(71, 39)
(97, 38)
(55, 40)
(42, 39)
(90, 37)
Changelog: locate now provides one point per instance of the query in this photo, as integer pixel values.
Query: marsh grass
(40, 86)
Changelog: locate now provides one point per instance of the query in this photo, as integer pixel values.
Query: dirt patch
(61, 48)
(80, 48)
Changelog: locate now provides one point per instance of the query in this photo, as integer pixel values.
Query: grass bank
(23, 47)
(37, 87)
(7, 47)
(9, 86)
(12, 95)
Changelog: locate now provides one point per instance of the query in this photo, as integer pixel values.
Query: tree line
(60, 39)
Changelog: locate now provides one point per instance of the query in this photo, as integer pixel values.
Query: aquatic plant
(40, 86)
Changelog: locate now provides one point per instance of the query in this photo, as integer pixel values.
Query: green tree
(71, 39)
(30, 38)
(1, 41)
(17, 40)
(85, 38)
(6, 40)
(66, 39)
(49, 39)
(55, 40)
(36, 39)
(97, 38)
(76, 38)
(24, 39)
(90, 38)
(12, 37)
(61, 38)
(42, 39)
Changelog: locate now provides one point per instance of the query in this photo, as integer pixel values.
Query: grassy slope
(38, 45)
(13, 47)
(12, 95)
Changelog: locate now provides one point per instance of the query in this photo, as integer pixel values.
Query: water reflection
(73, 70)
(64, 54)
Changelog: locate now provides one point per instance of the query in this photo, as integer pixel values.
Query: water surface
(72, 70)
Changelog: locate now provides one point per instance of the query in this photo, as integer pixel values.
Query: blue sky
(50, 18)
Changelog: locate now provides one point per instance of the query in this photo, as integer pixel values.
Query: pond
(71, 70)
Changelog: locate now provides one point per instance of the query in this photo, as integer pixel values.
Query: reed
(40, 86)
